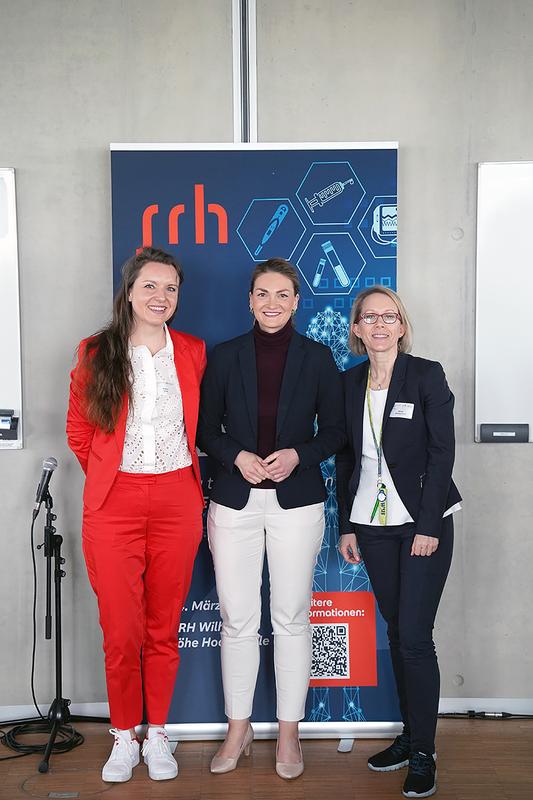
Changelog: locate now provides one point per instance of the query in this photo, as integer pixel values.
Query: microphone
(49, 465)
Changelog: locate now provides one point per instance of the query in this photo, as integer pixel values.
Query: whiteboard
(10, 354)
(504, 296)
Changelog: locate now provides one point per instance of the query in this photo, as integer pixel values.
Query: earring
(251, 310)
(293, 312)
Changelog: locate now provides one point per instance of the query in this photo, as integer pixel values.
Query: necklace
(373, 381)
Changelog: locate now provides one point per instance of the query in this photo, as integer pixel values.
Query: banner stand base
(345, 746)
(345, 731)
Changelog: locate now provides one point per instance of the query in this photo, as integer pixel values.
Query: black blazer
(419, 451)
(311, 386)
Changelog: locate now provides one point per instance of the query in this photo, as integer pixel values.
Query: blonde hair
(356, 344)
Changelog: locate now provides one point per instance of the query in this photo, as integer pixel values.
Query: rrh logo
(178, 211)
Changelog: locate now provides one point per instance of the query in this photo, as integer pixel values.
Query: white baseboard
(29, 712)
(217, 730)
(512, 705)
(309, 730)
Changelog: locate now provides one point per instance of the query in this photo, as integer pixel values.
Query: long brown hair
(106, 358)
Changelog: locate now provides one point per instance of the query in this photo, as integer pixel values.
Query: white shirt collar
(168, 349)
(169, 346)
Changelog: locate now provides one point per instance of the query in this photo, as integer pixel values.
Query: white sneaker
(124, 756)
(162, 765)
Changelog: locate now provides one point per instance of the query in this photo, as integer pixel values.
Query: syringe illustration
(277, 218)
(336, 263)
(325, 195)
(318, 273)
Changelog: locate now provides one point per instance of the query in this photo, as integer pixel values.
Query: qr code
(330, 651)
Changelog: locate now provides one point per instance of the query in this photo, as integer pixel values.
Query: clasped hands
(275, 467)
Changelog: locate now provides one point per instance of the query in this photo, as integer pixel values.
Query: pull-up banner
(332, 211)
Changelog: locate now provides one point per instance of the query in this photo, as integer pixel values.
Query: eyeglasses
(389, 318)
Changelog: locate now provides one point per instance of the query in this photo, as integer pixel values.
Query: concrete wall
(73, 78)
(449, 79)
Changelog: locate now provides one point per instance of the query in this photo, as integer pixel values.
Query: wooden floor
(477, 760)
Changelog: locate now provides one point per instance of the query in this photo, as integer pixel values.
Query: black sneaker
(421, 779)
(394, 757)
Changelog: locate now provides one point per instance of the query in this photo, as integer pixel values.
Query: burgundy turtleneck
(270, 354)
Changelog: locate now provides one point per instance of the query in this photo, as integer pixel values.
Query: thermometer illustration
(338, 268)
(318, 273)
(277, 218)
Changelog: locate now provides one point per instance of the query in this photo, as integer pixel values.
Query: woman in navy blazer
(396, 497)
(262, 395)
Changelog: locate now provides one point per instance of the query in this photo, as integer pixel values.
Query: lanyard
(381, 498)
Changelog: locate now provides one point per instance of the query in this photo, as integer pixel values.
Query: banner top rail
(253, 146)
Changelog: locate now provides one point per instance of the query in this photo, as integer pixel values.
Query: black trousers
(408, 591)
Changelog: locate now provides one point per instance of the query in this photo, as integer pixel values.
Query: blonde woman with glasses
(396, 499)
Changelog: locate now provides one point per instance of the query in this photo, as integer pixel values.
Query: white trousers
(237, 539)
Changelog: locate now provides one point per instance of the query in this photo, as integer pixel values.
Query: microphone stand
(56, 722)
(58, 713)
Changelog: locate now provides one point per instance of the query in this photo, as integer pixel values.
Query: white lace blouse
(155, 439)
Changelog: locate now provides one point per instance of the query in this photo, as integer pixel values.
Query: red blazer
(100, 453)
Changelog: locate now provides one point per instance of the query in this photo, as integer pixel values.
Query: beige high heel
(290, 771)
(221, 764)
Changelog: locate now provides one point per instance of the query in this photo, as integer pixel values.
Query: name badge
(403, 410)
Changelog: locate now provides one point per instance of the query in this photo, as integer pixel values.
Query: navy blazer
(311, 387)
(419, 451)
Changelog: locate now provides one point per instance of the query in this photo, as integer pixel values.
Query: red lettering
(222, 217)
(148, 214)
(199, 216)
(173, 223)
(174, 218)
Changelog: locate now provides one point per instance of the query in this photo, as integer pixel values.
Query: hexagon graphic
(379, 226)
(270, 227)
(331, 263)
(330, 192)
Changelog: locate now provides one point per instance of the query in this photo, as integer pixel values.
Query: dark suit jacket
(311, 386)
(419, 451)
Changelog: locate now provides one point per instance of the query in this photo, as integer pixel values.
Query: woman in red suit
(131, 422)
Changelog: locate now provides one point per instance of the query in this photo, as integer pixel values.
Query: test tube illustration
(325, 195)
(338, 268)
(318, 273)
(275, 221)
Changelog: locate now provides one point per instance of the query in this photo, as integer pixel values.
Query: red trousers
(139, 549)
